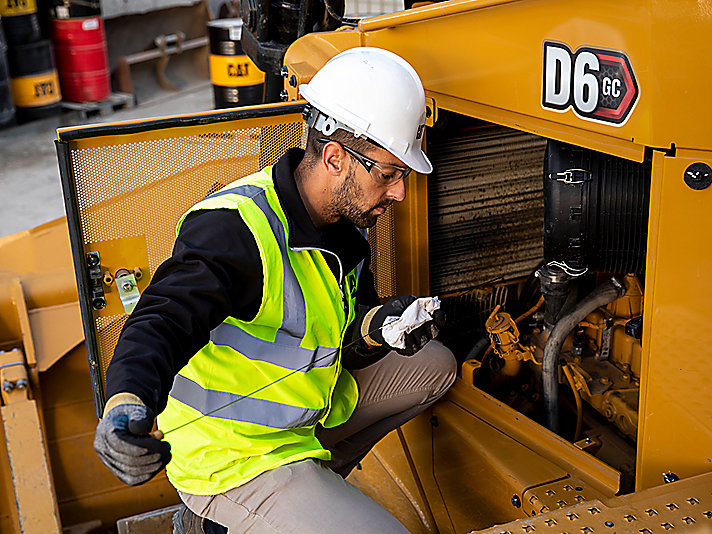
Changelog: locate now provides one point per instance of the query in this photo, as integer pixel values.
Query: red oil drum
(80, 54)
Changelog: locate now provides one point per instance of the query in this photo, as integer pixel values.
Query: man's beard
(345, 202)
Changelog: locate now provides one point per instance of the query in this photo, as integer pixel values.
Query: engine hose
(602, 295)
(477, 348)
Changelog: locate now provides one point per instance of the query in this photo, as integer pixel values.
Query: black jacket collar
(342, 237)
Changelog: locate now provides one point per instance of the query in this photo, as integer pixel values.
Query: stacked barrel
(34, 83)
(80, 50)
(236, 79)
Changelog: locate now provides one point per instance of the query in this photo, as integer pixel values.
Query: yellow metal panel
(41, 258)
(676, 401)
(598, 475)
(479, 469)
(484, 58)
(14, 321)
(386, 476)
(376, 479)
(56, 330)
(86, 490)
(306, 55)
(29, 467)
(411, 238)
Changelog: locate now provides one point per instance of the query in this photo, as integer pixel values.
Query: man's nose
(396, 192)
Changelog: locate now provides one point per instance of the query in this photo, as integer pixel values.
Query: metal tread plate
(685, 505)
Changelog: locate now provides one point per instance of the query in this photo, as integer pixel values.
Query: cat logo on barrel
(598, 84)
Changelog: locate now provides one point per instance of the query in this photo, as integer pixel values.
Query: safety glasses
(383, 174)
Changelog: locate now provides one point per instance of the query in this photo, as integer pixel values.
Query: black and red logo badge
(598, 84)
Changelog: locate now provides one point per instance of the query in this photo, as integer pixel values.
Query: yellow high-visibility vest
(263, 385)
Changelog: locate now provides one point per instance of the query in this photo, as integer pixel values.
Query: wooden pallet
(85, 110)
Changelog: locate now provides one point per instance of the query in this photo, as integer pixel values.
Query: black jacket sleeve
(215, 271)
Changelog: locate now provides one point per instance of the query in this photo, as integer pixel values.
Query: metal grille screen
(383, 261)
(131, 189)
(486, 207)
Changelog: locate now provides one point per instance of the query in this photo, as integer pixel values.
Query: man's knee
(441, 366)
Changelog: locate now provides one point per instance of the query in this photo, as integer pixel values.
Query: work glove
(414, 341)
(123, 443)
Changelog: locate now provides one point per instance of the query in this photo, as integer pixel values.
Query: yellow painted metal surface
(556, 495)
(29, 468)
(411, 238)
(676, 401)
(601, 477)
(685, 506)
(484, 59)
(480, 469)
(474, 455)
(86, 490)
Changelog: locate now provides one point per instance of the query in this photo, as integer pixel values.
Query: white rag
(395, 328)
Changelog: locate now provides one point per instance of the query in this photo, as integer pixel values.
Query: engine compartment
(561, 344)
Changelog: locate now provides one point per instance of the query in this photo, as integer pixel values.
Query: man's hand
(123, 443)
(414, 340)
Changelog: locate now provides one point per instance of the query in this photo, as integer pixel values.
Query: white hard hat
(373, 93)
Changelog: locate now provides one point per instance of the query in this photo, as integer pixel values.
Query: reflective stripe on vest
(241, 408)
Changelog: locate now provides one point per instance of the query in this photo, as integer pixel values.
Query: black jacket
(216, 271)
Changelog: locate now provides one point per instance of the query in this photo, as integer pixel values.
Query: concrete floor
(30, 189)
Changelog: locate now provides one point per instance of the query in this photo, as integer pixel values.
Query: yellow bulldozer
(563, 229)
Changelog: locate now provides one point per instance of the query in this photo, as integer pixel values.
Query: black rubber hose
(602, 295)
(477, 348)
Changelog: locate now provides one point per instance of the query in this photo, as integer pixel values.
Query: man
(261, 342)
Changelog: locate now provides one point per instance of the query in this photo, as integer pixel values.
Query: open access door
(126, 185)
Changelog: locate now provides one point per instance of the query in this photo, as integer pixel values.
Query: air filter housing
(595, 209)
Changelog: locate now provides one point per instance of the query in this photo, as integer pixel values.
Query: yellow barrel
(236, 79)
(19, 19)
(34, 82)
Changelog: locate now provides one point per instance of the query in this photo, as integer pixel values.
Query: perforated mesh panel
(132, 188)
(383, 261)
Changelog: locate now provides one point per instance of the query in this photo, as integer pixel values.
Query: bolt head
(127, 285)
(21, 384)
(8, 386)
(670, 477)
(516, 501)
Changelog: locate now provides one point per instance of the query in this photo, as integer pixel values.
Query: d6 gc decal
(598, 84)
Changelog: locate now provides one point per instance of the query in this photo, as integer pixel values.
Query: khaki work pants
(312, 497)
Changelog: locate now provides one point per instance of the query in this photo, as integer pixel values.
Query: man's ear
(335, 159)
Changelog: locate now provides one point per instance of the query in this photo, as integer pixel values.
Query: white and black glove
(416, 339)
(124, 444)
